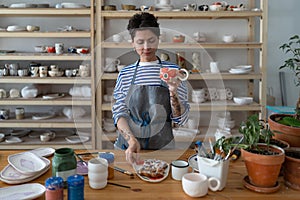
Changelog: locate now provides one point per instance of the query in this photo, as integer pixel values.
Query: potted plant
(263, 161)
(291, 169)
(287, 127)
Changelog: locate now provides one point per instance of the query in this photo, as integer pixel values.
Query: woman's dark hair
(142, 21)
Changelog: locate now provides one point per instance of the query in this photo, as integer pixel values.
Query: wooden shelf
(206, 45)
(202, 76)
(186, 14)
(56, 122)
(46, 102)
(52, 12)
(45, 80)
(211, 106)
(44, 56)
(78, 34)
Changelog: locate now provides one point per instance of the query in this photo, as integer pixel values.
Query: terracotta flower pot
(291, 168)
(286, 133)
(263, 170)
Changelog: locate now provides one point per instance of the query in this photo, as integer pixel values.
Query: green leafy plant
(254, 131)
(292, 48)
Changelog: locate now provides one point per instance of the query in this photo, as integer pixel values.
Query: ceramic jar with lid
(54, 188)
(75, 187)
(64, 163)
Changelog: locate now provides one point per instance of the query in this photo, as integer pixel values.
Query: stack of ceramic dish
(108, 125)
(198, 96)
(243, 100)
(24, 167)
(225, 121)
(241, 69)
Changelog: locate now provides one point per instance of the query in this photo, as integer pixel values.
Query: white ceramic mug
(214, 67)
(196, 185)
(97, 173)
(43, 71)
(179, 168)
(59, 48)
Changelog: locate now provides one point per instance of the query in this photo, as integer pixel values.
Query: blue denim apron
(150, 111)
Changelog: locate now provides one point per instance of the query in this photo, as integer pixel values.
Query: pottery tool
(81, 160)
(123, 171)
(230, 153)
(124, 186)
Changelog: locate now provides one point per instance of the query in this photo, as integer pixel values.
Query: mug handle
(211, 186)
(187, 74)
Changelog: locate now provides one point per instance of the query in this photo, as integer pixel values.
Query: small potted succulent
(287, 127)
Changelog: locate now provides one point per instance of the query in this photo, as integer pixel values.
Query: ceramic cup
(196, 185)
(43, 71)
(4, 114)
(13, 69)
(23, 72)
(45, 137)
(59, 48)
(179, 168)
(111, 64)
(69, 72)
(97, 173)
(50, 49)
(34, 71)
(84, 70)
(164, 57)
(214, 67)
(20, 113)
(171, 74)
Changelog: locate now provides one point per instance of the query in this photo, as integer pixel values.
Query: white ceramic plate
(25, 191)
(13, 139)
(77, 139)
(64, 133)
(11, 175)
(43, 152)
(15, 28)
(19, 133)
(193, 162)
(239, 71)
(152, 180)
(22, 5)
(27, 163)
(41, 116)
(53, 96)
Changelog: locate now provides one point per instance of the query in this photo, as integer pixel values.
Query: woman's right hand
(132, 151)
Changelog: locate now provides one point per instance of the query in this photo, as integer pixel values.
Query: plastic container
(75, 187)
(110, 157)
(54, 188)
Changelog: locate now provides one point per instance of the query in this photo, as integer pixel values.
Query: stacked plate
(24, 167)
(241, 69)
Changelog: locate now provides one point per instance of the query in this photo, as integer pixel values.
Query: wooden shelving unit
(87, 122)
(255, 19)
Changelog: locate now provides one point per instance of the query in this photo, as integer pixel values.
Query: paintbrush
(123, 171)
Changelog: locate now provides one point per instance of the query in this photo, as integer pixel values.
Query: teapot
(190, 7)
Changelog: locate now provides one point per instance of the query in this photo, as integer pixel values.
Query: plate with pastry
(152, 170)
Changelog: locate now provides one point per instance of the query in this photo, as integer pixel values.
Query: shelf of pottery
(46, 74)
(221, 44)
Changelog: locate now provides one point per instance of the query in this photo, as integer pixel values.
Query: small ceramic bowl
(109, 7)
(215, 7)
(243, 100)
(128, 7)
(55, 73)
(32, 28)
(2, 137)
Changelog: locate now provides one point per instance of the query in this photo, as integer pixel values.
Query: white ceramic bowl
(243, 100)
(55, 73)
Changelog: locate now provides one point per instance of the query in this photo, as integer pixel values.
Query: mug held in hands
(172, 74)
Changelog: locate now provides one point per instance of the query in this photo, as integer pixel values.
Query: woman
(145, 105)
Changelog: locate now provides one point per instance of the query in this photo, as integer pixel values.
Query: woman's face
(145, 43)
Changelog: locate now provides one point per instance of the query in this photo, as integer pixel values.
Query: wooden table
(169, 188)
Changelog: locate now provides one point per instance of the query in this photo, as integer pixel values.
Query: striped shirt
(147, 74)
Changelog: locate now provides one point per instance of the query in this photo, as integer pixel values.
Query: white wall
(283, 23)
